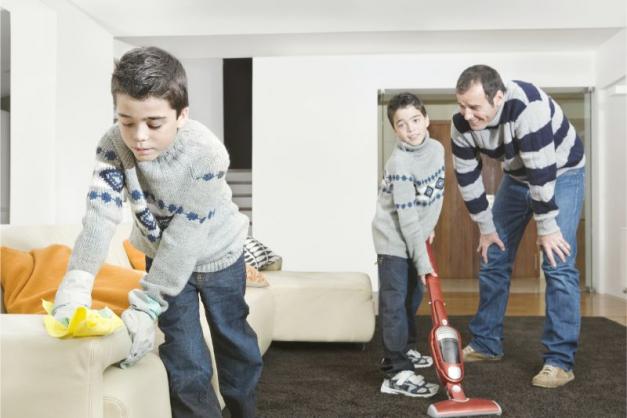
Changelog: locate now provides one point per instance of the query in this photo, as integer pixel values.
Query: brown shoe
(552, 377)
(470, 355)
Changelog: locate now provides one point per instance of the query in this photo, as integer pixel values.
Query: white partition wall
(61, 62)
(33, 116)
(607, 163)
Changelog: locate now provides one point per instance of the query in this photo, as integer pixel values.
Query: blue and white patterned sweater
(535, 142)
(409, 203)
(183, 214)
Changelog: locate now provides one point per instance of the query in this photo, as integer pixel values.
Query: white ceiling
(220, 28)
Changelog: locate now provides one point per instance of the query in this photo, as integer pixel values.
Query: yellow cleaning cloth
(84, 323)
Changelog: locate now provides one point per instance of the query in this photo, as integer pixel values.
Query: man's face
(475, 107)
(148, 126)
(410, 125)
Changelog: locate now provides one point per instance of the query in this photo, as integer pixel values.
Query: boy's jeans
(400, 294)
(511, 213)
(185, 353)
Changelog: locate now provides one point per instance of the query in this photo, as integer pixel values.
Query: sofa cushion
(29, 277)
(124, 390)
(322, 306)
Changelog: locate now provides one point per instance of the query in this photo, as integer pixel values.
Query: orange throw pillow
(29, 277)
(135, 257)
(255, 278)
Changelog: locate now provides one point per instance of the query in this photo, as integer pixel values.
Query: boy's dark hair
(151, 72)
(487, 76)
(403, 100)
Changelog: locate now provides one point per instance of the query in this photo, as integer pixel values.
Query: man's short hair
(403, 100)
(151, 72)
(487, 76)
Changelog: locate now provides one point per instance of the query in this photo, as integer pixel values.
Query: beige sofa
(43, 376)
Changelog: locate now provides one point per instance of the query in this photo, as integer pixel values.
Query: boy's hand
(63, 313)
(74, 291)
(141, 328)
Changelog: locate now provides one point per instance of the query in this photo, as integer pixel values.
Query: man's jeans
(185, 353)
(511, 213)
(400, 294)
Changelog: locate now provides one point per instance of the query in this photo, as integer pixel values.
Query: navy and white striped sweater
(535, 142)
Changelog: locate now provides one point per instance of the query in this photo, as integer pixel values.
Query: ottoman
(322, 306)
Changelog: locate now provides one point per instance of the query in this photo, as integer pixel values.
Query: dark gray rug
(342, 380)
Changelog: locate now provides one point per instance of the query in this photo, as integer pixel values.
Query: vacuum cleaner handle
(438, 311)
(432, 257)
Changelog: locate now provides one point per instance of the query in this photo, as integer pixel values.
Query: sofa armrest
(46, 376)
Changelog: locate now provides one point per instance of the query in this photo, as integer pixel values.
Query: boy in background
(408, 208)
(172, 170)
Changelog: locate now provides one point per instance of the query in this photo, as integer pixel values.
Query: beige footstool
(324, 307)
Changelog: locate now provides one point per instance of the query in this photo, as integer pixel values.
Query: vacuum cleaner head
(446, 348)
(466, 408)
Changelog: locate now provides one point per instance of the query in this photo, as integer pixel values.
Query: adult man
(543, 160)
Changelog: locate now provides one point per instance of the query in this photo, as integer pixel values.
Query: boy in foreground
(172, 170)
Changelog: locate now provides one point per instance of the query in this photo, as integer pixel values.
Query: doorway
(456, 234)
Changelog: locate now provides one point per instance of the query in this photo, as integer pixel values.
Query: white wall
(61, 63)
(33, 116)
(204, 78)
(120, 48)
(84, 108)
(315, 142)
(612, 219)
(608, 165)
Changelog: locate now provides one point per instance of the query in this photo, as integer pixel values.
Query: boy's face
(475, 107)
(148, 126)
(410, 125)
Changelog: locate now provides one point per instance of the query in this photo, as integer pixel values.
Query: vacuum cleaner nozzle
(466, 408)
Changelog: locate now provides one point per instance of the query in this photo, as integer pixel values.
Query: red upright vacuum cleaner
(446, 349)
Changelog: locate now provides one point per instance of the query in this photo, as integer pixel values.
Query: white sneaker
(419, 361)
(409, 384)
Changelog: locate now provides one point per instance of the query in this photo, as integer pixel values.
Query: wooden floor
(463, 298)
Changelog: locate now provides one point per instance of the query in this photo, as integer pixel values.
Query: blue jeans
(511, 213)
(400, 294)
(186, 356)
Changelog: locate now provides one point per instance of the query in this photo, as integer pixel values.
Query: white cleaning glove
(140, 320)
(74, 291)
(141, 328)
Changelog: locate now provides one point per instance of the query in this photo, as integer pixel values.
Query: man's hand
(485, 241)
(141, 328)
(431, 237)
(554, 242)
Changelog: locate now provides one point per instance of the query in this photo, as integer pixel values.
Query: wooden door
(457, 235)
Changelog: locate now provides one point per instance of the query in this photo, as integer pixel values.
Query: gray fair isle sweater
(410, 201)
(183, 214)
